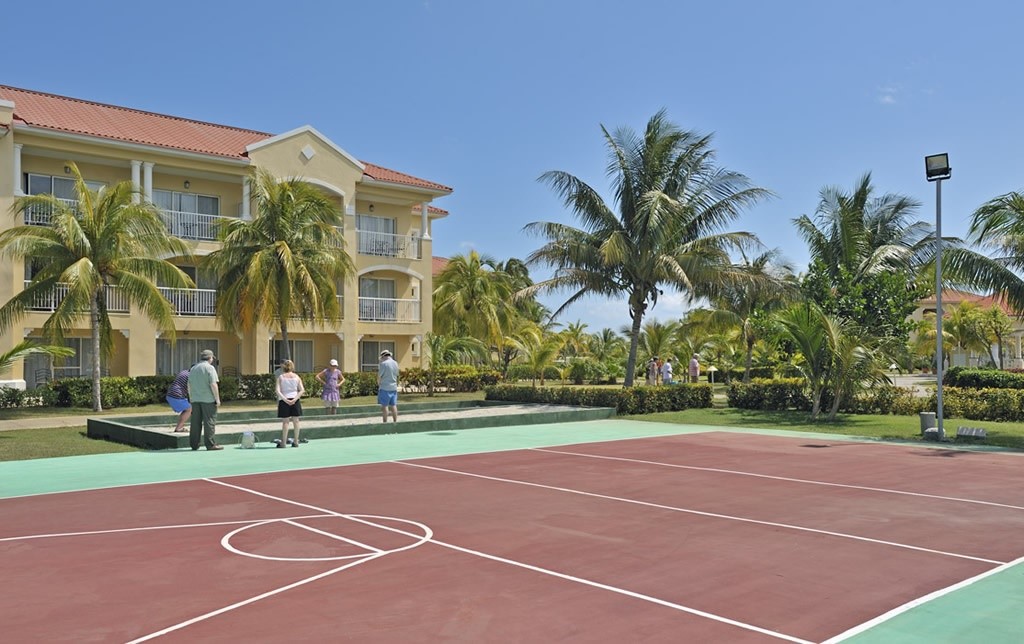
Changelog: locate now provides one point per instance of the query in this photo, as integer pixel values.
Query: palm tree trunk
(94, 322)
(637, 312)
(749, 362)
(284, 340)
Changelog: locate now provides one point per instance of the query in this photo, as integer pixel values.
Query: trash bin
(927, 420)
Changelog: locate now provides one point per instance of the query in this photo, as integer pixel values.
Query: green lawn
(883, 427)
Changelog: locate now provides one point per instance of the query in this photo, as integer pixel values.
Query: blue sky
(485, 96)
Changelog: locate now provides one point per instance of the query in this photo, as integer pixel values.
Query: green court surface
(987, 610)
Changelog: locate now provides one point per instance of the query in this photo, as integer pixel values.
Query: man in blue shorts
(177, 398)
(387, 386)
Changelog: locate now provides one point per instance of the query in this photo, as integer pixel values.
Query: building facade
(197, 174)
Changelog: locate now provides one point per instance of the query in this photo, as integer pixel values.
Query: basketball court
(611, 530)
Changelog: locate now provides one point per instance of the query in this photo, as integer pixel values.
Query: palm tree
(26, 348)
(764, 284)
(656, 338)
(105, 241)
(997, 225)
(814, 333)
(473, 297)
(538, 351)
(666, 229)
(446, 350)
(284, 264)
(863, 235)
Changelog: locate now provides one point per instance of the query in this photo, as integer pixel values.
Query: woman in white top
(289, 404)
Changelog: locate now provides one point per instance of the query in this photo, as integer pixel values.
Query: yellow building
(197, 173)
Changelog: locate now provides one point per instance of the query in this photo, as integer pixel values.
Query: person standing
(204, 392)
(652, 371)
(289, 401)
(332, 379)
(694, 368)
(177, 398)
(666, 372)
(387, 386)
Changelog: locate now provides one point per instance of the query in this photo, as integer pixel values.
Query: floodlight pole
(936, 168)
(938, 307)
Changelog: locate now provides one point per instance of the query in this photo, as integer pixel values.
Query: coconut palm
(998, 226)
(538, 351)
(473, 297)
(446, 350)
(814, 334)
(761, 286)
(26, 348)
(103, 246)
(997, 326)
(665, 230)
(284, 264)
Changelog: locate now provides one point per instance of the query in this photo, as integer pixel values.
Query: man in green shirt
(204, 392)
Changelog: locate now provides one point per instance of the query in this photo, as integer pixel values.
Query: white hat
(385, 352)
(334, 363)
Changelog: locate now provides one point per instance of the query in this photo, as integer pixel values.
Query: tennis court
(595, 531)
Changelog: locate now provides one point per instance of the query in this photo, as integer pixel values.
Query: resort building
(1012, 343)
(197, 173)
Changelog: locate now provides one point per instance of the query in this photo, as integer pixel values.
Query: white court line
(245, 602)
(333, 536)
(714, 515)
(899, 610)
(144, 528)
(545, 571)
(780, 478)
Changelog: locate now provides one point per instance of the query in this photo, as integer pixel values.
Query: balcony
(197, 302)
(389, 245)
(192, 225)
(383, 309)
(116, 301)
(41, 215)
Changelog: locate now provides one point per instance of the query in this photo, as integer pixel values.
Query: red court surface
(714, 537)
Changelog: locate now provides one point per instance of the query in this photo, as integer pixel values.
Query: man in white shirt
(666, 372)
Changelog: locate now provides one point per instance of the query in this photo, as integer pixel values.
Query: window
(170, 359)
(301, 354)
(60, 187)
(369, 354)
(186, 202)
(376, 235)
(377, 299)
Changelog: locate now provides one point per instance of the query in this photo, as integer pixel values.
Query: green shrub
(775, 395)
(982, 379)
(635, 400)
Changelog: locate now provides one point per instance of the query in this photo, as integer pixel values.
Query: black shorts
(284, 410)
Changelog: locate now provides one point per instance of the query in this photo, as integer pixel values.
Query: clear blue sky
(485, 96)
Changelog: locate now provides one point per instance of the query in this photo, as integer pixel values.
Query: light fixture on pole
(936, 168)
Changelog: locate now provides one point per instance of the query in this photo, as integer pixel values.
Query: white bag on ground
(248, 440)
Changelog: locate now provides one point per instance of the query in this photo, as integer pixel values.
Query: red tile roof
(438, 265)
(955, 298)
(77, 116)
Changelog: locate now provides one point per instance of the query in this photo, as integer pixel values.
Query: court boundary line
(713, 515)
(780, 478)
(519, 564)
(920, 601)
(686, 431)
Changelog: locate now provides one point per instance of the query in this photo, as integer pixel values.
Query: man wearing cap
(332, 379)
(387, 386)
(204, 393)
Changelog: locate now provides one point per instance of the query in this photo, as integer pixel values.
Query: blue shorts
(178, 404)
(387, 398)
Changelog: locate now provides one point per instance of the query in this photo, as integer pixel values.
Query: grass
(45, 440)
(869, 426)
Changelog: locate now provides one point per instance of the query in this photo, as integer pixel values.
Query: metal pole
(938, 305)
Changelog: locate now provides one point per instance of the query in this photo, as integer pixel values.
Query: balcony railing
(191, 301)
(116, 301)
(42, 215)
(389, 245)
(192, 225)
(383, 309)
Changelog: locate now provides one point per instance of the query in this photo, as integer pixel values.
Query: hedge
(120, 391)
(635, 400)
(982, 378)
